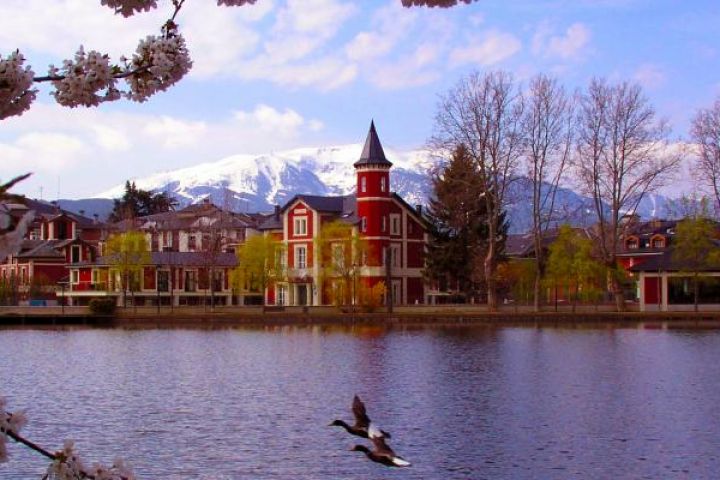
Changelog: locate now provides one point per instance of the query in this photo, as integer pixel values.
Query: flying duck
(362, 421)
(381, 453)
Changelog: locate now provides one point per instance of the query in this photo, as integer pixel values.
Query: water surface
(461, 403)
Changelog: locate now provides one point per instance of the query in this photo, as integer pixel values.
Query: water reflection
(461, 402)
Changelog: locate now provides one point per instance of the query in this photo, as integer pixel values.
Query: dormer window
(657, 242)
(632, 244)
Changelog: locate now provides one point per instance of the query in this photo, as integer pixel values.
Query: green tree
(137, 202)
(457, 213)
(261, 263)
(128, 253)
(340, 251)
(695, 248)
(572, 266)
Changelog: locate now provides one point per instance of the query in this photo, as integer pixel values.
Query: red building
(56, 239)
(395, 234)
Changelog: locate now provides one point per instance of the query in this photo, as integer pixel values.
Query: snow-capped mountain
(256, 183)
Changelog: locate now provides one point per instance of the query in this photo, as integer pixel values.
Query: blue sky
(290, 73)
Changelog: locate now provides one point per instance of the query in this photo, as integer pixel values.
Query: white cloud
(110, 138)
(566, 46)
(650, 76)
(413, 70)
(93, 149)
(175, 133)
(493, 47)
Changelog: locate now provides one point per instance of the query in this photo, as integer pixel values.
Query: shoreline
(332, 317)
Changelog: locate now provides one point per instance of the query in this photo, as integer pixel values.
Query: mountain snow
(257, 182)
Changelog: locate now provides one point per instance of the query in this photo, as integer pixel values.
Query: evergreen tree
(459, 234)
(137, 202)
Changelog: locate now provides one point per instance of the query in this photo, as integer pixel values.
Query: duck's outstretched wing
(381, 447)
(361, 418)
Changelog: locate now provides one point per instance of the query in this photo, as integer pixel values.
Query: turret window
(363, 224)
(382, 184)
(363, 184)
(383, 227)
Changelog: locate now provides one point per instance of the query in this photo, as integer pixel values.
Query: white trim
(296, 264)
(376, 199)
(300, 220)
(363, 168)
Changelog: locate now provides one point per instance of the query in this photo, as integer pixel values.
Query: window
(300, 227)
(74, 277)
(75, 254)
(383, 226)
(300, 257)
(94, 275)
(658, 242)
(394, 224)
(632, 244)
(163, 281)
(363, 184)
(281, 295)
(363, 224)
(192, 243)
(338, 256)
(395, 251)
(382, 184)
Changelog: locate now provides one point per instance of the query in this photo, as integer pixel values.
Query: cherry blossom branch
(66, 464)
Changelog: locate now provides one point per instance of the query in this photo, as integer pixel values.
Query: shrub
(371, 297)
(102, 306)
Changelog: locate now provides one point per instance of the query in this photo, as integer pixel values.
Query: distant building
(193, 249)
(55, 240)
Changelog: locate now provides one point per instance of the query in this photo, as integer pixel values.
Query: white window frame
(298, 256)
(281, 295)
(394, 224)
(382, 184)
(300, 226)
(395, 251)
(363, 184)
(75, 276)
(77, 248)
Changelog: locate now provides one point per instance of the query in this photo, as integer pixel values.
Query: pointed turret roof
(372, 153)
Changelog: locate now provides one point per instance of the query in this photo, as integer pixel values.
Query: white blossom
(127, 8)
(158, 63)
(85, 77)
(15, 82)
(9, 422)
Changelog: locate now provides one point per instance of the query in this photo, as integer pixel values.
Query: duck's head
(360, 448)
(337, 423)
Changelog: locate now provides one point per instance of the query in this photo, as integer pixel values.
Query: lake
(461, 403)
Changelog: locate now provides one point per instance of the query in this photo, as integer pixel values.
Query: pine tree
(137, 202)
(458, 236)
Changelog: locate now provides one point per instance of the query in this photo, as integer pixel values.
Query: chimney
(418, 207)
(81, 212)
(96, 218)
(277, 212)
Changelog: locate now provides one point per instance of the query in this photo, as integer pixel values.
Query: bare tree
(622, 154)
(705, 132)
(548, 132)
(484, 113)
